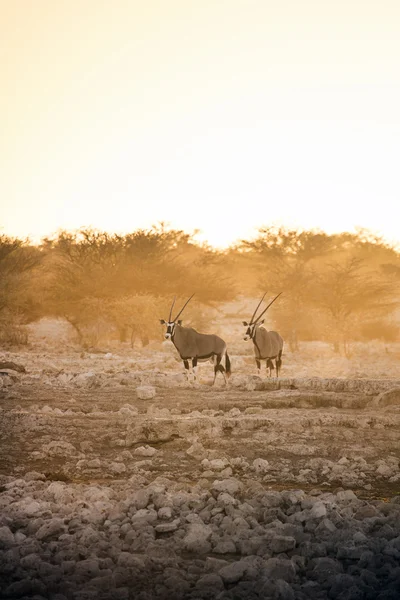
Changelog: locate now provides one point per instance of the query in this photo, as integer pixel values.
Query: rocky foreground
(119, 480)
(139, 539)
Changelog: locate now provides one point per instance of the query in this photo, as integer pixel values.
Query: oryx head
(254, 323)
(171, 323)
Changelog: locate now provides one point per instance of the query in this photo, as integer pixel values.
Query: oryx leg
(194, 368)
(270, 366)
(278, 363)
(186, 363)
(218, 367)
(258, 363)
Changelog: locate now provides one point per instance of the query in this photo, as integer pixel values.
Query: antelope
(194, 346)
(268, 345)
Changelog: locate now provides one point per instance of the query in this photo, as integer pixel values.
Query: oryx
(194, 346)
(268, 345)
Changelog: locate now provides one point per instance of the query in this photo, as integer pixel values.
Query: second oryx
(268, 345)
(194, 346)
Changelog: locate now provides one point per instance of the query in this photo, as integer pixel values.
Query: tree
(90, 266)
(351, 294)
(19, 302)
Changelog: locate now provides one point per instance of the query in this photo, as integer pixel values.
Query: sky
(214, 115)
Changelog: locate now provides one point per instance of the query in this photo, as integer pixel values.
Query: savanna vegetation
(337, 288)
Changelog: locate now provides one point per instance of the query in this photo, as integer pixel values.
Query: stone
(280, 568)
(210, 580)
(167, 527)
(145, 451)
(60, 448)
(231, 486)
(130, 561)
(282, 543)
(164, 513)
(233, 572)
(261, 465)
(324, 568)
(117, 468)
(346, 496)
(50, 529)
(141, 498)
(145, 392)
(197, 538)
(128, 410)
(388, 398)
(283, 590)
(318, 510)
(218, 464)
(6, 538)
(225, 546)
(196, 450)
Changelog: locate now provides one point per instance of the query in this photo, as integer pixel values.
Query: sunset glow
(221, 116)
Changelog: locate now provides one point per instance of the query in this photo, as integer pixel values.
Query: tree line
(337, 288)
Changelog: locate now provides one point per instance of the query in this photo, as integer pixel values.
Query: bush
(13, 332)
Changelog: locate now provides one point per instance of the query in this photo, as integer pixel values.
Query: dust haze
(122, 476)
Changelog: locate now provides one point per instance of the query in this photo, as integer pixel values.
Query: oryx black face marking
(268, 345)
(170, 330)
(193, 346)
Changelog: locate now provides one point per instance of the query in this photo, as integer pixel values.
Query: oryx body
(268, 345)
(194, 346)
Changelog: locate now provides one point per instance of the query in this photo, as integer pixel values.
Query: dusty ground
(119, 479)
(78, 416)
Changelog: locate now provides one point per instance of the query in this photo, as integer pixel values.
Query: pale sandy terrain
(123, 431)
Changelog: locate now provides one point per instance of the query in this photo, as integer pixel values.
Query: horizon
(198, 239)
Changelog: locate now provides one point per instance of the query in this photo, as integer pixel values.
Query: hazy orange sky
(210, 114)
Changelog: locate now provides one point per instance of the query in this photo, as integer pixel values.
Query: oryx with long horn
(194, 346)
(268, 345)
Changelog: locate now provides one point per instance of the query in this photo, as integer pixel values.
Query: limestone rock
(145, 392)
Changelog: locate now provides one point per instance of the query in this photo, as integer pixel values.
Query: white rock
(59, 493)
(52, 528)
(165, 513)
(218, 464)
(141, 498)
(145, 392)
(260, 465)
(384, 470)
(196, 539)
(196, 450)
(145, 451)
(89, 380)
(346, 496)
(232, 486)
(167, 527)
(117, 468)
(59, 448)
(128, 410)
(29, 507)
(147, 515)
(94, 463)
(234, 412)
(318, 511)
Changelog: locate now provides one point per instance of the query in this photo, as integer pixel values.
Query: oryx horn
(258, 305)
(187, 301)
(170, 312)
(265, 309)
